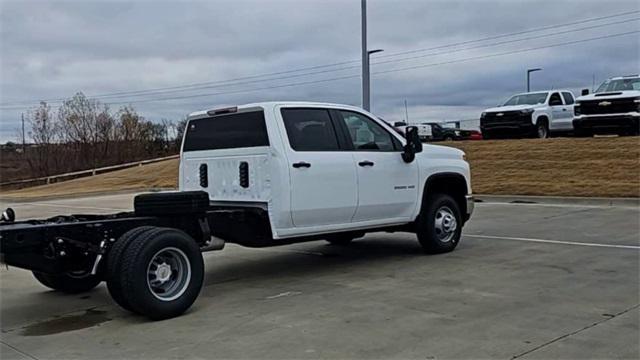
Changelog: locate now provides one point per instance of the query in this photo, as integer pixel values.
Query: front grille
(610, 106)
(507, 118)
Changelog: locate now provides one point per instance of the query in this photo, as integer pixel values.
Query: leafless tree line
(84, 134)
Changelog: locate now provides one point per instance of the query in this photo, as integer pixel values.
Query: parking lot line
(632, 247)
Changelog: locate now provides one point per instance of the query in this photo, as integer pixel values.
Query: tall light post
(529, 71)
(365, 58)
(366, 53)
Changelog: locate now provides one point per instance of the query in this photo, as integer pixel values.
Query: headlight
(526, 111)
(576, 110)
(483, 115)
(457, 133)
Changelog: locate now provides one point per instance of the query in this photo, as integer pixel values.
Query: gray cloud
(52, 49)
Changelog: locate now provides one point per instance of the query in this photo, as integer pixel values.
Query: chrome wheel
(445, 224)
(168, 274)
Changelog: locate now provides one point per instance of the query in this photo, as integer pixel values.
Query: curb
(558, 200)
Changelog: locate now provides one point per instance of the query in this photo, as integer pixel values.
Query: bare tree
(43, 135)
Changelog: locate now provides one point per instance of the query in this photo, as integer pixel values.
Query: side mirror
(413, 146)
(584, 92)
(399, 123)
(8, 215)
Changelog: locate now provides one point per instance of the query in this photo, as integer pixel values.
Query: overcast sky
(53, 49)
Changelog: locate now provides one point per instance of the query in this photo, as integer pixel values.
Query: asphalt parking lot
(527, 281)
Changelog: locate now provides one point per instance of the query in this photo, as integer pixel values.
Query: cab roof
(625, 77)
(543, 91)
(268, 105)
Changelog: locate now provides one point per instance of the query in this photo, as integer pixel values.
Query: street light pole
(366, 56)
(529, 71)
(366, 102)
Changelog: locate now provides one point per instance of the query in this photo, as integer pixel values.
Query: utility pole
(529, 71)
(23, 140)
(366, 102)
(406, 112)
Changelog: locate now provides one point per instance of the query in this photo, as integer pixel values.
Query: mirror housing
(8, 215)
(413, 146)
(584, 92)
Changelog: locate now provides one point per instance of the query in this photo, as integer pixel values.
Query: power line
(548, 27)
(386, 71)
(379, 72)
(222, 83)
(377, 62)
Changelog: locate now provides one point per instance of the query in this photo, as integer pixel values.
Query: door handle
(365, 163)
(301, 164)
(564, 109)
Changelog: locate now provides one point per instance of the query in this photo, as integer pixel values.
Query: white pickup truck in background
(613, 108)
(538, 114)
(424, 130)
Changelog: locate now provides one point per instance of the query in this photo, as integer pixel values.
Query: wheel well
(542, 118)
(448, 183)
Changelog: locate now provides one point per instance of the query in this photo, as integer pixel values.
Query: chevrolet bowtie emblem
(604, 103)
(499, 114)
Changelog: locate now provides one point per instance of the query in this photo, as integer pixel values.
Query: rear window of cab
(238, 130)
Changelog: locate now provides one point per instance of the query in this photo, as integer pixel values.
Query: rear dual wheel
(155, 272)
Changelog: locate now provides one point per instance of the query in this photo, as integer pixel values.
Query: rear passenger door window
(310, 130)
(568, 98)
(365, 134)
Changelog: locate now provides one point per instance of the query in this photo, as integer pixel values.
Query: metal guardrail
(18, 184)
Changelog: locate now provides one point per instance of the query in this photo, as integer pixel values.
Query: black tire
(487, 135)
(542, 129)
(114, 264)
(185, 202)
(69, 283)
(431, 235)
(161, 244)
(448, 138)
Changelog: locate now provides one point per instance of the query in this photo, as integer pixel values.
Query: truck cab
(319, 170)
(613, 108)
(537, 114)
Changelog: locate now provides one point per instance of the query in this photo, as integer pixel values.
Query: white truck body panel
(334, 193)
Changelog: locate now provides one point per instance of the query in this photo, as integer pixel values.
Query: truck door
(387, 186)
(559, 113)
(323, 178)
(566, 123)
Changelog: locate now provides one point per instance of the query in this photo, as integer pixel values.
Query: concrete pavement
(527, 281)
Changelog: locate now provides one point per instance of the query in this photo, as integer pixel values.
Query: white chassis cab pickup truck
(324, 170)
(257, 175)
(537, 114)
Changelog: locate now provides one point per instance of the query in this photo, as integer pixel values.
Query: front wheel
(70, 283)
(161, 273)
(439, 225)
(542, 130)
